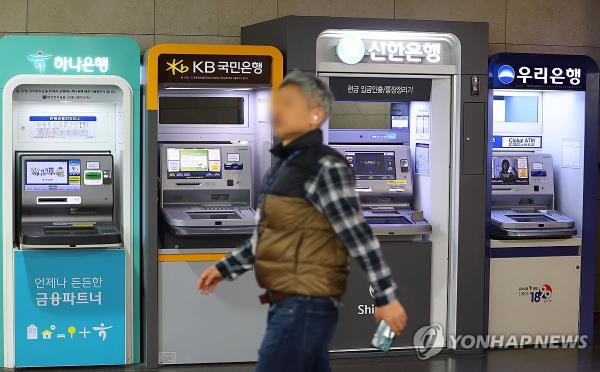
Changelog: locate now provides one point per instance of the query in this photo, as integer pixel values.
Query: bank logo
(371, 291)
(506, 74)
(429, 341)
(544, 294)
(350, 49)
(39, 60)
(177, 67)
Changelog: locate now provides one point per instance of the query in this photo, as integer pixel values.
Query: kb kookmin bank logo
(506, 74)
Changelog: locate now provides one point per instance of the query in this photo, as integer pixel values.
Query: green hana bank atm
(70, 205)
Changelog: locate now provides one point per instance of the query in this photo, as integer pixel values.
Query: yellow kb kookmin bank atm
(207, 137)
(70, 200)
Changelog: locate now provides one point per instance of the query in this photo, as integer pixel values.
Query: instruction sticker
(62, 126)
(397, 182)
(571, 154)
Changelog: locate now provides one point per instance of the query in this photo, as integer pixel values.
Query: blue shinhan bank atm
(542, 190)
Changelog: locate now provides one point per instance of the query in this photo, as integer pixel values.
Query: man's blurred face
(292, 114)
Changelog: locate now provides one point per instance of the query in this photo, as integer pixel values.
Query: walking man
(310, 225)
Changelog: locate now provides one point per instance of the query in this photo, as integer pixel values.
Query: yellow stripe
(190, 257)
(153, 53)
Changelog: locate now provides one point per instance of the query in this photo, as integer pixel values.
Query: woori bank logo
(506, 74)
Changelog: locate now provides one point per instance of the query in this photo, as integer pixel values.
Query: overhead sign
(352, 47)
(69, 307)
(517, 142)
(214, 69)
(380, 89)
(536, 76)
(48, 63)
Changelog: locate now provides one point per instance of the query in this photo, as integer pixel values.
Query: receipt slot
(207, 139)
(70, 190)
(410, 119)
(543, 179)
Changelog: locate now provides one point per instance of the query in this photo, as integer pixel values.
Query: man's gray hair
(314, 89)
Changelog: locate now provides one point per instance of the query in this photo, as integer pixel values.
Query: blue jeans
(299, 330)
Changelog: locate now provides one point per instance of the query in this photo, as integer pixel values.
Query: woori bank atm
(410, 118)
(207, 138)
(543, 180)
(70, 189)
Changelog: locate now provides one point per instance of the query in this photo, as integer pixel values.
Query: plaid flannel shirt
(332, 192)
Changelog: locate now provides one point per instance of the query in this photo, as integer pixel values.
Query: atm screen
(52, 175)
(193, 163)
(372, 165)
(507, 170)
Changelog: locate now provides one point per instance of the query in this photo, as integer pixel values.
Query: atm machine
(61, 206)
(543, 180)
(205, 188)
(70, 191)
(410, 118)
(206, 144)
(385, 185)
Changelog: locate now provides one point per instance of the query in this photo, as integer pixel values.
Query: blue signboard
(69, 307)
(517, 142)
(537, 71)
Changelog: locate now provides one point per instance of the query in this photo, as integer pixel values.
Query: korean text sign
(214, 69)
(69, 307)
(538, 76)
(377, 89)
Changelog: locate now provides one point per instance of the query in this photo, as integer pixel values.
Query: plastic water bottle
(383, 337)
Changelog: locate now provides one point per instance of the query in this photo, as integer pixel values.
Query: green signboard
(84, 55)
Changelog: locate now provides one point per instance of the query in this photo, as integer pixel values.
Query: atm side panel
(226, 326)
(517, 309)
(472, 220)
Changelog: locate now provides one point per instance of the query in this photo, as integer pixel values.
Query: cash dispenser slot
(70, 227)
(539, 218)
(63, 204)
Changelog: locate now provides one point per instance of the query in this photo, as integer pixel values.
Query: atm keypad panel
(522, 173)
(52, 179)
(206, 166)
(380, 169)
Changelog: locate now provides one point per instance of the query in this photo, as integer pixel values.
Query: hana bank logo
(39, 60)
(506, 74)
(176, 66)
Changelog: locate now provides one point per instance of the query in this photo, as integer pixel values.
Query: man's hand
(208, 280)
(393, 314)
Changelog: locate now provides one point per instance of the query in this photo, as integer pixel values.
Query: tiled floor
(526, 360)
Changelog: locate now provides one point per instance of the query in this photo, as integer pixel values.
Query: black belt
(272, 297)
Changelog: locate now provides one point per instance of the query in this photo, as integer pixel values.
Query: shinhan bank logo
(506, 74)
(39, 60)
